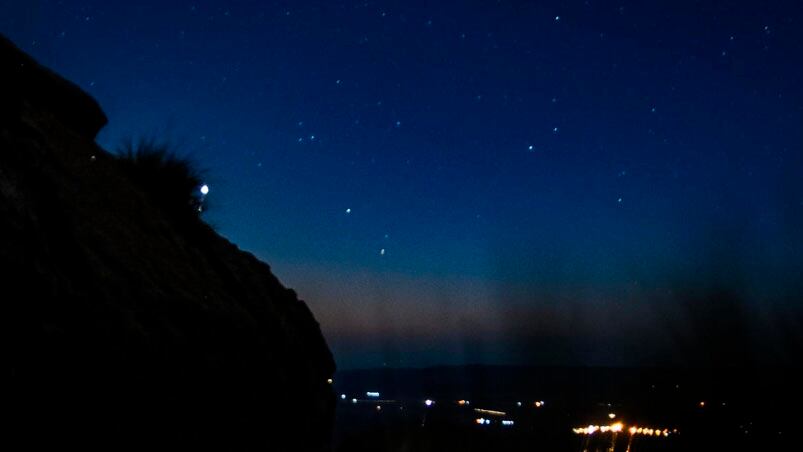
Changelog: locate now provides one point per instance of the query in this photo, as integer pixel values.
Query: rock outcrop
(125, 329)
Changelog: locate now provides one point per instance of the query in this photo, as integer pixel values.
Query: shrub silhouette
(170, 181)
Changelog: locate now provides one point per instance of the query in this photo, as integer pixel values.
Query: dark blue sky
(578, 182)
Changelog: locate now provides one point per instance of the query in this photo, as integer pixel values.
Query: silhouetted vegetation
(130, 323)
(172, 182)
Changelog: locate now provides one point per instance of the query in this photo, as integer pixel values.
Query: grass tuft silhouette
(172, 182)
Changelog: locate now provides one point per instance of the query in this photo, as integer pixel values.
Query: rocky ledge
(128, 330)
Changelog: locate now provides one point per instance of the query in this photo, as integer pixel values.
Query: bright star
(204, 189)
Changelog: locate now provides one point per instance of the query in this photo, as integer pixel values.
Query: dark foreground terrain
(130, 323)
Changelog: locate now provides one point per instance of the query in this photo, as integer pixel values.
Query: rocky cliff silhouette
(126, 329)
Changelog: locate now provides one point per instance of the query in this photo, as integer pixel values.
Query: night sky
(579, 182)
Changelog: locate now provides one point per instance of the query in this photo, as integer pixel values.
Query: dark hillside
(128, 329)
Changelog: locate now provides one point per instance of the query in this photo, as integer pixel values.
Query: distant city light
(429, 402)
(463, 402)
(329, 380)
(518, 403)
(507, 422)
(702, 404)
(612, 415)
(204, 189)
(491, 412)
(379, 408)
(342, 396)
(483, 421)
(618, 427)
(372, 394)
(353, 400)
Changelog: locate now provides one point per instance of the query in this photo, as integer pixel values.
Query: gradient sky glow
(578, 182)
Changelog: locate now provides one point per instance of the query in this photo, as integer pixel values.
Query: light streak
(491, 412)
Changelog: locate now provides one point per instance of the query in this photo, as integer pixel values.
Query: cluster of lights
(539, 403)
(483, 421)
(372, 394)
(618, 427)
(463, 402)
